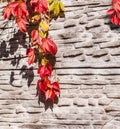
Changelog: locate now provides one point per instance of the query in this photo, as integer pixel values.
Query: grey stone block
(100, 53)
(80, 102)
(73, 53)
(104, 101)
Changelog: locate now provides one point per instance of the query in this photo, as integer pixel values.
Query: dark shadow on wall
(8, 51)
(28, 74)
(47, 103)
(10, 47)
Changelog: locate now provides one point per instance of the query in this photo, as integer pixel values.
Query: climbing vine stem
(33, 17)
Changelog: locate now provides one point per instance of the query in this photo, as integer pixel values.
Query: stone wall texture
(88, 65)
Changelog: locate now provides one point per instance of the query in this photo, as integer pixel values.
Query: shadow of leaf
(47, 103)
(12, 77)
(8, 51)
(28, 74)
(3, 50)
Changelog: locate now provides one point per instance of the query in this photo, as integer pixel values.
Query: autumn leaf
(52, 6)
(56, 86)
(44, 25)
(57, 8)
(42, 34)
(22, 24)
(110, 11)
(49, 46)
(50, 1)
(41, 86)
(52, 91)
(45, 70)
(10, 9)
(19, 11)
(31, 55)
(39, 6)
(35, 37)
(50, 94)
(61, 6)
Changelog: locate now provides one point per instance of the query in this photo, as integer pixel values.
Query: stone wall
(88, 65)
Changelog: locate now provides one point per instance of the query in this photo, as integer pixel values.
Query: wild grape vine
(33, 17)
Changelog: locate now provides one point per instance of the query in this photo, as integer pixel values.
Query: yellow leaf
(57, 9)
(44, 25)
(50, 1)
(44, 61)
(52, 6)
(42, 34)
(61, 6)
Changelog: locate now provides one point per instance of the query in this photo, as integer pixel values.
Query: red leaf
(50, 94)
(41, 86)
(21, 10)
(115, 19)
(21, 24)
(45, 6)
(14, 4)
(44, 3)
(7, 13)
(110, 11)
(24, 8)
(17, 9)
(116, 7)
(9, 9)
(39, 6)
(56, 86)
(45, 71)
(50, 90)
(31, 59)
(49, 46)
(35, 37)
(34, 34)
(31, 56)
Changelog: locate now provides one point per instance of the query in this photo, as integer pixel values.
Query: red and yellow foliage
(38, 13)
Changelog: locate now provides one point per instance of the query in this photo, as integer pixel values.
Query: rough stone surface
(87, 63)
